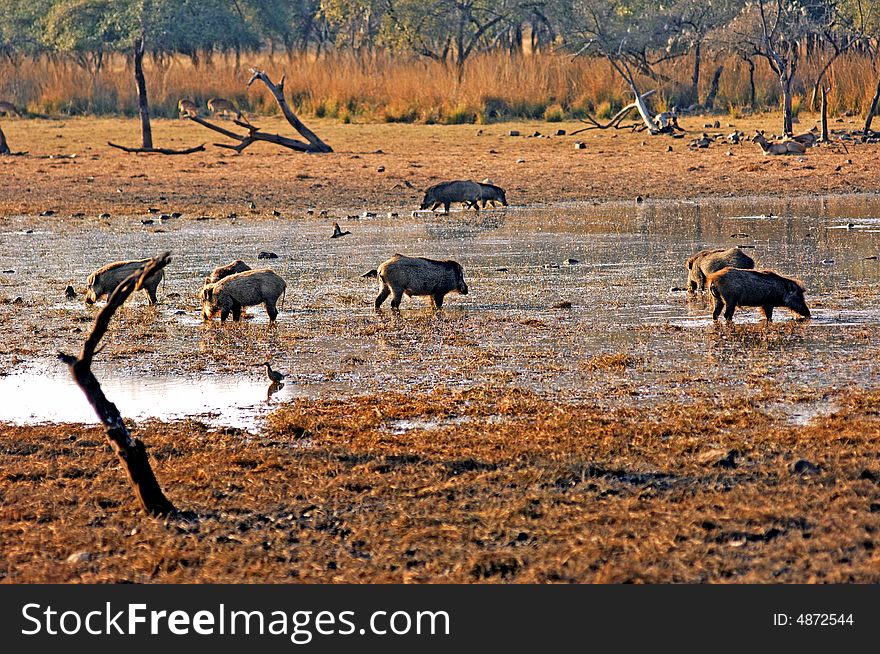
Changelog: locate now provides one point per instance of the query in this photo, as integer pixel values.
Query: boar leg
(396, 297)
(768, 312)
(271, 310)
(437, 300)
(383, 295)
(446, 207)
(151, 293)
(236, 312)
(717, 305)
(729, 308)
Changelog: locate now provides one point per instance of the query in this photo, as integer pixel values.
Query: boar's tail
(714, 289)
(370, 273)
(283, 296)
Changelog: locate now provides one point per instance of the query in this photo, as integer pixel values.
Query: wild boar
(467, 192)
(734, 287)
(223, 106)
(244, 289)
(187, 108)
(105, 279)
(418, 276)
(706, 262)
(231, 268)
(9, 109)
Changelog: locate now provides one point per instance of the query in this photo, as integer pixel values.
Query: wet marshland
(629, 336)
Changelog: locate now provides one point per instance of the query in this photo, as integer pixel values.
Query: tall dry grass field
(384, 88)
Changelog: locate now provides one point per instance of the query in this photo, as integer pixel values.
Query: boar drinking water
(733, 287)
(230, 268)
(418, 276)
(105, 279)
(244, 289)
(706, 262)
(467, 192)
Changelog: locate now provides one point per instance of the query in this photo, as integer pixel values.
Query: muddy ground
(623, 439)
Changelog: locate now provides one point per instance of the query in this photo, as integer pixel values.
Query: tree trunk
(752, 94)
(824, 115)
(141, 83)
(695, 76)
(871, 111)
(713, 89)
(787, 129)
(4, 147)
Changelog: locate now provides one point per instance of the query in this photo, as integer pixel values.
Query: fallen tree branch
(130, 451)
(169, 151)
(312, 143)
(4, 147)
(615, 120)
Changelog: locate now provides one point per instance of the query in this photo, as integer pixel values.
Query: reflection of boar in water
(418, 276)
(244, 289)
(467, 192)
(733, 287)
(105, 279)
(231, 268)
(704, 263)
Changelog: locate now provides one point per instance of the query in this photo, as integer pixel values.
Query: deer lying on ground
(807, 139)
(223, 106)
(778, 147)
(9, 109)
(187, 108)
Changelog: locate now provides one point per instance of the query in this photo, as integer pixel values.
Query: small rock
(104, 216)
(580, 145)
(48, 212)
(148, 221)
(716, 124)
(676, 289)
(79, 557)
(718, 458)
(868, 475)
(804, 467)
(827, 262)
(180, 313)
(276, 213)
(502, 269)
(164, 217)
(730, 153)
(639, 199)
(323, 212)
(560, 132)
(550, 266)
(565, 304)
(669, 148)
(369, 214)
(176, 214)
(267, 255)
(873, 257)
(252, 205)
(69, 293)
(570, 262)
(513, 132)
(18, 300)
(536, 135)
(152, 210)
(520, 161)
(380, 169)
(310, 212)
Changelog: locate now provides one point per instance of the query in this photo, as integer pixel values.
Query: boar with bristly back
(706, 262)
(244, 289)
(418, 276)
(230, 268)
(464, 191)
(734, 287)
(105, 280)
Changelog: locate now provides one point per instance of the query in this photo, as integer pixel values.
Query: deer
(9, 109)
(221, 105)
(778, 147)
(807, 139)
(187, 108)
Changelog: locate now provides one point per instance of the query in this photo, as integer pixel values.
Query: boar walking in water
(733, 287)
(230, 268)
(707, 262)
(418, 276)
(105, 279)
(467, 192)
(244, 289)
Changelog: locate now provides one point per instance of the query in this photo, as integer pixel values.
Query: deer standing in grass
(778, 147)
(187, 108)
(223, 106)
(9, 109)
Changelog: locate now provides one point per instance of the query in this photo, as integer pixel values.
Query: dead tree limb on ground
(169, 151)
(615, 120)
(131, 451)
(312, 143)
(4, 147)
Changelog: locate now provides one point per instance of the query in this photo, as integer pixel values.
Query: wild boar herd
(733, 282)
(729, 275)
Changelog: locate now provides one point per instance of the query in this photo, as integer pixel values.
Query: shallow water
(330, 343)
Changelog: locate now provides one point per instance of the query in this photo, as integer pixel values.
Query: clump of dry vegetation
(526, 489)
(346, 88)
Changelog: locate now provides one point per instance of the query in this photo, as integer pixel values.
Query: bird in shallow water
(337, 231)
(273, 375)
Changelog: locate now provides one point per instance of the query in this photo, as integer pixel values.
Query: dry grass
(520, 488)
(381, 88)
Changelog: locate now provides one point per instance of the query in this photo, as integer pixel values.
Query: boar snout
(90, 298)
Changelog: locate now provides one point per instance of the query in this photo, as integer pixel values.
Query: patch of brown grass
(519, 488)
